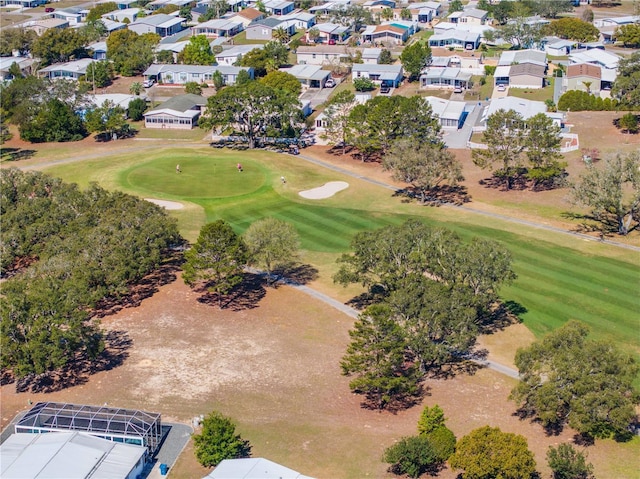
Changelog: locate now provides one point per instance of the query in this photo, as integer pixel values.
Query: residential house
(181, 74)
(130, 14)
(472, 16)
(598, 57)
(451, 114)
(23, 63)
(527, 75)
(73, 15)
(456, 39)
(376, 6)
(526, 108)
(311, 76)
(387, 75)
(98, 50)
(263, 29)
(180, 112)
(162, 24)
(447, 78)
(447, 27)
(22, 3)
(247, 16)
(219, 27)
(41, 26)
(583, 76)
(330, 7)
(371, 55)
(464, 59)
(253, 468)
(303, 20)
(617, 21)
(394, 32)
(278, 7)
(112, 26)
(229, 56)
(557, 47)
(322, 54)
(157, 4)
(121, 4)
(330, 33)
(423, 12)
(116, 99)
(70, 71)
(511, 57)
(172, 46)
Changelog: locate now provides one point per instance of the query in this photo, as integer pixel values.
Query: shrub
(219, 441)
(363, 84)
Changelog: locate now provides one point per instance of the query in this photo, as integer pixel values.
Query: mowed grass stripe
(589, 300)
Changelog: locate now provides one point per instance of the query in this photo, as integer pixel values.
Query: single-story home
(387, 75)
(162, 24)
(511, 57)
(130, 14)
(247, 16)
(180, 112)
(117, 99)
(558, 47)
(158, 4)
(112, 26)
(617, 21)
(330, 32)
(263, 29)
(322, 54)
(181, 74)
(390, 34)
(375, 5)
(73, 15)
(527, 75)
(595, 56)
(219, 27)
(255, 467)
(278, 7)
(23, 63)
(330, 7)
(303, 20)
(99, 50)
(312, 76)
(41, 26)
(472, 16)
(456, 39)
(466, 60)
(526, 108)
(371, 55)
(583, 76)
(229, 56)
(70, 70)
(121, 4)
(421, 12)
(174, 47)
(444, 78)
(22, 3)
(451, 114)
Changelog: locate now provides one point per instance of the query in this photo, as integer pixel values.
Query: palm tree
(135, 88)
(281, 35)
(587, 84)
(386, 13)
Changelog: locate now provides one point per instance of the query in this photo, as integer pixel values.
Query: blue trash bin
(164, 469)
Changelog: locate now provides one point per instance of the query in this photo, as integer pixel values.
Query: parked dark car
(49, 9)
(385, 89)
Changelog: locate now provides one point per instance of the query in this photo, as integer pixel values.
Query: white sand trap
(167, 205)
(325, 191)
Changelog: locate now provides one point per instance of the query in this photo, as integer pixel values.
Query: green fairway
(559, 277)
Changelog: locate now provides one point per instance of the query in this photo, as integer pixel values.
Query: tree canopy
(597, 398)
(254, 110)
(272, 243)
(488, 453)
(131, 53)
(337, 118)
(572, 28)
(217, 259)
(82, 247)
(629, 35)
(57, 45)
(612, 192)
(269, 58)
(567, 463)
(198, 52)
(218, 441)
(280, 80)
(627, 85)
(415, 58)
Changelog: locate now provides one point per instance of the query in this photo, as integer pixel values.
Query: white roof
(253, 468)
(76, 66)
(380, 69)
(527, 108)
(502, 71)
(371, 53)
(595, 55)
(447, 109)
(66, 455)
(118, 99)
(307, 72)
(536, 57)
(236, 50)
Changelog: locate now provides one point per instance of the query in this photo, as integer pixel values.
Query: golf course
(560, 277)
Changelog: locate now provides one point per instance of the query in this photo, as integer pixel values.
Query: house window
(313, 55)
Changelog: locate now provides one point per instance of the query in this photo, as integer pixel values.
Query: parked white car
(148, 83)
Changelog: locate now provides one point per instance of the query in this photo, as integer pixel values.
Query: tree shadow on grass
(503, 315)
(398, 402)
(296, 273)
(16, 154)
(117, 345)
(145, 288)
(438, 196)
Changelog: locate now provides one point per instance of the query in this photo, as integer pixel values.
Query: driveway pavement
(316, 95)
(458, 138)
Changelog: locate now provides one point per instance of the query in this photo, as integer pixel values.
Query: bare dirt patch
(274, 369)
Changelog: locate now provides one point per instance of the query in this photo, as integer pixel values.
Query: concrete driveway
(317, 95)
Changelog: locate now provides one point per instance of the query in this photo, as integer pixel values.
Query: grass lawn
(241, 39)
(559, 277)
(538, 94)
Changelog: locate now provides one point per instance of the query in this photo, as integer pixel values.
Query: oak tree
(415, 58)
(272, 243)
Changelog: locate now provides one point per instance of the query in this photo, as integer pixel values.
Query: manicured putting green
(200, 176)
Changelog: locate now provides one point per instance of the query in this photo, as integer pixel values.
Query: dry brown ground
(273, 366)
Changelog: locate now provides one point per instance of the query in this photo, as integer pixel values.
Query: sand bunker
(325, 191)
(167, 205)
